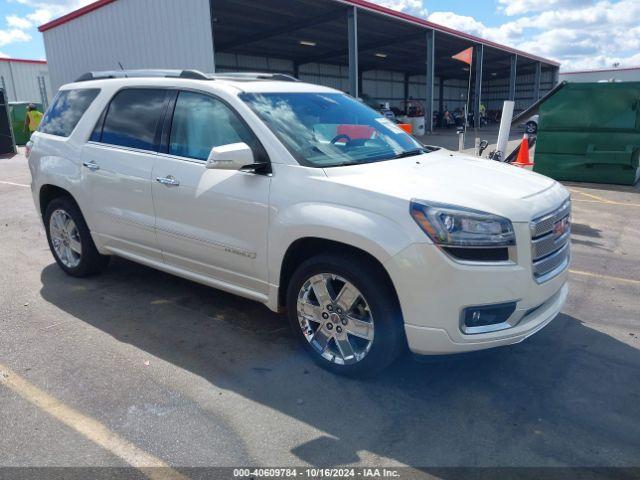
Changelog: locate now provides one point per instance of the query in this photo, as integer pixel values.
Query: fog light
(487, 318)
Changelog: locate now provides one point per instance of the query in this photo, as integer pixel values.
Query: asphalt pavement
(138, 367)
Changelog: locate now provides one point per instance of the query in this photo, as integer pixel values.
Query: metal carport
(364, 36)
(354, 45)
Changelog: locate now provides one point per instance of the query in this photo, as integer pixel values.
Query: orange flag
(465, 56)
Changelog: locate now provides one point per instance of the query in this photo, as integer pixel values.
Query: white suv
(303, 198)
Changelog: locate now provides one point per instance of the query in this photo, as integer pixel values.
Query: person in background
(33, 118)
(483, 114)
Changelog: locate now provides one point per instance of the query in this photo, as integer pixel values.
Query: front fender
(363, 229)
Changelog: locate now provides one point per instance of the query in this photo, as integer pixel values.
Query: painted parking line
(15, 184)
(598, 199)
(150, 466)
(605, 277)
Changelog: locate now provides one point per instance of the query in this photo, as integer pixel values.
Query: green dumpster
(18, 112)
(590, 132)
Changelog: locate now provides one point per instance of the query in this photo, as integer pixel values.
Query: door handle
(92, 165)
(169, 181)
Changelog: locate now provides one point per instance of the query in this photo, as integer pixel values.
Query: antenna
(122, 68)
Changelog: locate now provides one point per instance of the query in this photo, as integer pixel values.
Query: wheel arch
(306, 247)
(306, 228)
(49, 192)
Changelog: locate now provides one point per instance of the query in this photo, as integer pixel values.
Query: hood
(448, 177)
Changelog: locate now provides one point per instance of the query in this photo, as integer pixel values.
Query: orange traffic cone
(523, 155)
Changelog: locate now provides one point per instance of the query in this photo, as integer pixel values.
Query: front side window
(133, 118)
(201, 122)
(66, 110)
(331, 129)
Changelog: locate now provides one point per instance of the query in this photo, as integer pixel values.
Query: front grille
(550, 235)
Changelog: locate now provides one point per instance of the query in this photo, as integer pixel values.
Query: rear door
(117, 166)
(211, 222)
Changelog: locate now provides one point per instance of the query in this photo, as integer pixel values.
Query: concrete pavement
(185, 375)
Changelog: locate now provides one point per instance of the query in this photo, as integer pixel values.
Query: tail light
(27, 148)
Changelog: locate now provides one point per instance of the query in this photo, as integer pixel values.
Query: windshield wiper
(374, 159)
(409, 153)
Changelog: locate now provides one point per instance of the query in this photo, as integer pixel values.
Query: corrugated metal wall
(495, 92)
(25, 81)
(384, 86)
(137, 33)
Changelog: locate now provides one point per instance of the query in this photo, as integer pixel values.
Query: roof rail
(248, 76)
(193, 74)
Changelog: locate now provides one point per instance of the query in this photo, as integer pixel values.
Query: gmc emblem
(560, 227)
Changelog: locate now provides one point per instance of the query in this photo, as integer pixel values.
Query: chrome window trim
(183, 159)
(121, 147)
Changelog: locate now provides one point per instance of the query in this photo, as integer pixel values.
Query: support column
(428, 100)
(556, 77)
(440, 100)
(406, 89)
(296, 70)
(352, 31)
(478, 86)
(512, 77)
(213, 21)
(536, 82)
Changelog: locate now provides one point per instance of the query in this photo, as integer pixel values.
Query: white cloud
(519, 7)
(44, 12)
(13, 35)
(41, 12)
(577, 33)
(509, 33)
(414, 7)
(15, 21)
(3, 55)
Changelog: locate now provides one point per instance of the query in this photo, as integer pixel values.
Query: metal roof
(21, 60)
(440, 28)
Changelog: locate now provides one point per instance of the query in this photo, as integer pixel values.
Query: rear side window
(66, 111)
(133, 118)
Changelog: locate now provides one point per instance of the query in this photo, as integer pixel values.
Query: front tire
(70, 240)
(346, 314)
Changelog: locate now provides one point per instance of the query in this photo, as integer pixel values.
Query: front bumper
(433, 290)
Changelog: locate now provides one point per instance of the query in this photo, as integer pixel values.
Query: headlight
(453, 226)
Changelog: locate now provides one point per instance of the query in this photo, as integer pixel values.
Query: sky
(581, 34)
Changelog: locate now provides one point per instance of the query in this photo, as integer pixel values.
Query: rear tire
(70, 240)
(358, 329)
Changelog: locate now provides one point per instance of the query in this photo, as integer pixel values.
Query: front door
(211, 222)
(118, 164)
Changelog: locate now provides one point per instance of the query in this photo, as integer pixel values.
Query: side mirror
(233, 156)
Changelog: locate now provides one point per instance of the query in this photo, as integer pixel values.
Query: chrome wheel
(335, 318)
(65, 238)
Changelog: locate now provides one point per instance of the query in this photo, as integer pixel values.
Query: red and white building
(25, 80)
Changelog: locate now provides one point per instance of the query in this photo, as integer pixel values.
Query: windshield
(331, 129)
